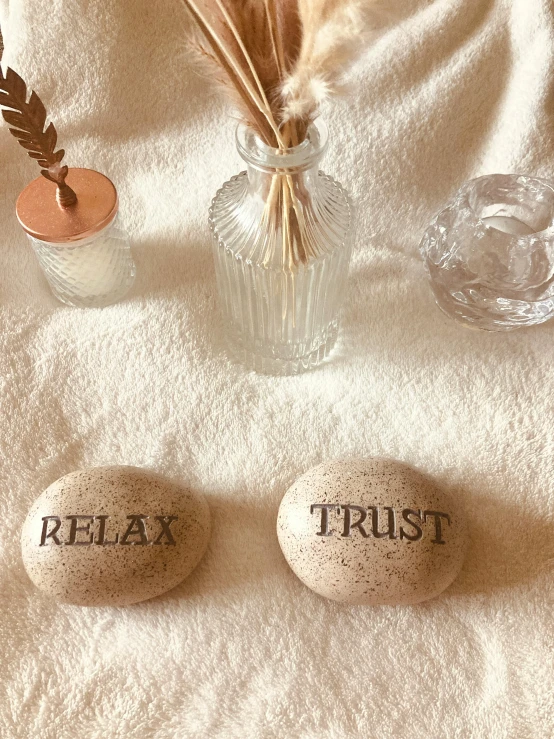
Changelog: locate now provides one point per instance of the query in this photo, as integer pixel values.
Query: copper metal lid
(40, 215)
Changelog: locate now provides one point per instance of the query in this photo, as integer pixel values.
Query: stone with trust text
(372, 532)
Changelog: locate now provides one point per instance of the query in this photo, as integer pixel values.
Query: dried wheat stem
(276, 40)
(252, 68)
(288, 242)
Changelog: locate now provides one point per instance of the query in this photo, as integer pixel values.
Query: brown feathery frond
(243, 53)
(209, 67)
(254, 27)
(220, 34)
(28, 118)
(274, 47)
(285, 19)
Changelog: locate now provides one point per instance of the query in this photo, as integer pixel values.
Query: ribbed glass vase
(282, 242)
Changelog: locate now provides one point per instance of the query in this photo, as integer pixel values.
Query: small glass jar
(83, 250)
(490, 253)
(89, 273)
(283, 233)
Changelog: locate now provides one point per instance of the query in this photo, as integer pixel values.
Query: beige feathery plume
(334, 33)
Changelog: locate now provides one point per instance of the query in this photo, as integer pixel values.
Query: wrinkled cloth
(453, 89)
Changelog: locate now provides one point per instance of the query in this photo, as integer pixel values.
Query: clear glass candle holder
(282, 242)
(91, 272)
(490, 253)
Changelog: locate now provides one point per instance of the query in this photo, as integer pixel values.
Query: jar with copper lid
(78, 238)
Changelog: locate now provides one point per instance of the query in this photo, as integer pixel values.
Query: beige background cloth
(455, 89)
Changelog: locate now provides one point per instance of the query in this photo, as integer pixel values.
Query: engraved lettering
(52, 533)
(165, 523)
(325, 508)
(101, 536)
(438, 528)
(349, 525)
(136, 528)
(406, 513)
(391, 520)
(415, 518)
(74, 530)
(82, 533)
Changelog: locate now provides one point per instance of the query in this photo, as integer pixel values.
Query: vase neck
(292, 161)
(298, 165)
(261, 184)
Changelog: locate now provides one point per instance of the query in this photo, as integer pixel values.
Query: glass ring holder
(489, 254)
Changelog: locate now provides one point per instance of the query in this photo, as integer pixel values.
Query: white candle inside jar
(84, 253)
(508, 225)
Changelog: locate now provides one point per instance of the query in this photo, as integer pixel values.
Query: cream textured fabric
(455, 89)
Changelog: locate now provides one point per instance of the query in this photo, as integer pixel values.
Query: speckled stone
(113, 536)
(380, 539)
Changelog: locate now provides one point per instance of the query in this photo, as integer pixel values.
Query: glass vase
(490, 253)
(89, 273)
(282, 242)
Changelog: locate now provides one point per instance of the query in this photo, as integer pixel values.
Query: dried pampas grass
(335, 32)
(280, 60)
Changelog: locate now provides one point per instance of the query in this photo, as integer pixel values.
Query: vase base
(283, 359)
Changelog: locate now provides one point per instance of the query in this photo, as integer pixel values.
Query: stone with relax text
(113, 536)
(371, 532)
